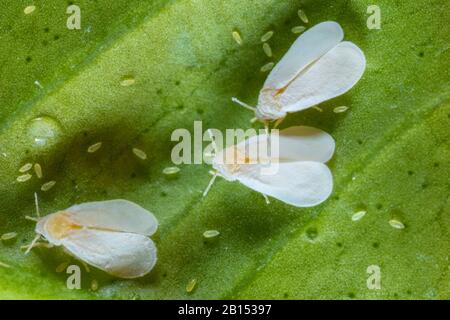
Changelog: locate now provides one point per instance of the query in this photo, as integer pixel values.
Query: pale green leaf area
(391, 160)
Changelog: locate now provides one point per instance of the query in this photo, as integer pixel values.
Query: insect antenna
(243, 104)
(35, 219)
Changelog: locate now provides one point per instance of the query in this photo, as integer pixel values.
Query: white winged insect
(290, 168)
(110, 235)
(318, 67)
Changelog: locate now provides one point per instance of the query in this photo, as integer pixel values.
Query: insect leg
(32, 218)
(266, 127)
(210, 184)
(266, 198)
(31, 245)
(212, 172)
(278, 122)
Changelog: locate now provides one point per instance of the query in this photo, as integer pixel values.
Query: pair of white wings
(113, 237)
(317, 67)
(298, 175)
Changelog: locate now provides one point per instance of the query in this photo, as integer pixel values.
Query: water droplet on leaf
(44, 131)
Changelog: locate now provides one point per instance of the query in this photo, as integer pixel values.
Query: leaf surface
(391, 158)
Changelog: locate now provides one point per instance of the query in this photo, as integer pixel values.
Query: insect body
(319, 66)
(110, 235)
(293, 170)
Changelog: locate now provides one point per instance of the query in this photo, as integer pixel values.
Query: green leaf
(391, 158)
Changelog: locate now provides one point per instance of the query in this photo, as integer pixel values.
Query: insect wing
(308, 47)
(114, 215)
(301, 184)
(332, 75)
(299, 143)
(121, 254)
